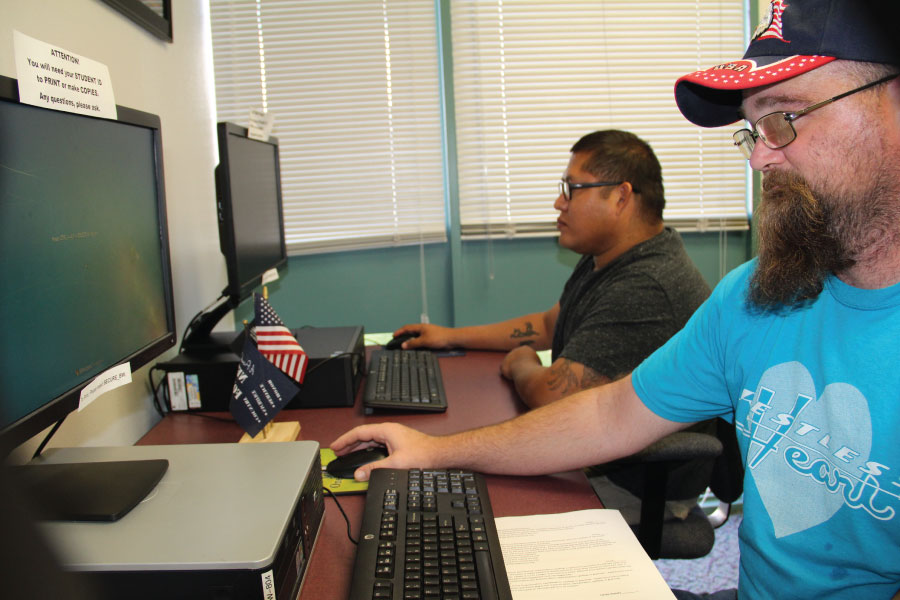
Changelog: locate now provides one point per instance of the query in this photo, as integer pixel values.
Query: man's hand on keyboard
(409, 448)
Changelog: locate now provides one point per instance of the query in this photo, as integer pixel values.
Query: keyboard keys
(434, 539)
(404, 380)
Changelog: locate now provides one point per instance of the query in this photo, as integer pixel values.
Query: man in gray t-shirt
(634, 287)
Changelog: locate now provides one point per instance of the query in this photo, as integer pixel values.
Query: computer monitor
(84, 256)
(251, 224)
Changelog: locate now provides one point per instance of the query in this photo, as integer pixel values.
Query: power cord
(346, 519)
(154, 389)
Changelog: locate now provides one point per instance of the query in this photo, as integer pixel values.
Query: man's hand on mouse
(427, 336)
(408, 448)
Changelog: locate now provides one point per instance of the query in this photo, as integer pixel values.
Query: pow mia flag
(260, 390)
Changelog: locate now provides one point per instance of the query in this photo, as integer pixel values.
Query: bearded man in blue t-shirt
(798, 347)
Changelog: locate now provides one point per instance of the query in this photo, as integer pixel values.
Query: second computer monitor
(251, 225)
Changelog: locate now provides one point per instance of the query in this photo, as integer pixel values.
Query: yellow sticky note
(335, 484)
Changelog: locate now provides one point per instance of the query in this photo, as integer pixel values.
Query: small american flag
(275, 341)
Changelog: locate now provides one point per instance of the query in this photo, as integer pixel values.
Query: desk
(476, 395)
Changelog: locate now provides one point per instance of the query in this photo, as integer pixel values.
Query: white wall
(174, 81)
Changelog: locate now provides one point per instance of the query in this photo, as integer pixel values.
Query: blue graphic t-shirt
(815, 396)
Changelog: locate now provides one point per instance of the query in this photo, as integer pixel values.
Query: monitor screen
(251, 231)
(84, 256)
(248, 189)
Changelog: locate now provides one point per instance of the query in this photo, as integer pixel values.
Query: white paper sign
(104, 382)
(51, 77)
(260, 125)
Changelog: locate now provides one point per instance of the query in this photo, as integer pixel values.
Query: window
(530, 78)
(354, 91)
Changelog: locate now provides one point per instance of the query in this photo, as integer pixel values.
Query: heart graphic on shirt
(833, 430)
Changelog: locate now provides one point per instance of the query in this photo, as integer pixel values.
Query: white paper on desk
(582, 554)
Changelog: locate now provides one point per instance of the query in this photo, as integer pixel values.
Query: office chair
(680, 466)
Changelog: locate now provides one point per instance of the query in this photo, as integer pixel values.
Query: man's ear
(626, 196)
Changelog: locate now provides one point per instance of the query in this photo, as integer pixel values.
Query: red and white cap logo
(770, 26)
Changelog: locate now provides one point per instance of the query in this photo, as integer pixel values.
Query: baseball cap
(794, 37)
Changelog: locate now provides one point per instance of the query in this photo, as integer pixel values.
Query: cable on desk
(347, 519)
(154, 389)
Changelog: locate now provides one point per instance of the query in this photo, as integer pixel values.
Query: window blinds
(354, 91)
(530, 78)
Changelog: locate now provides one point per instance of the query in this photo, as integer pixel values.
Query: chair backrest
(688, 463)
(681, 466)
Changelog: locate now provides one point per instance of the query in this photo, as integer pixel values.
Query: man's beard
(805, 236)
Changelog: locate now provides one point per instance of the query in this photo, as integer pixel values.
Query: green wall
(381, 289)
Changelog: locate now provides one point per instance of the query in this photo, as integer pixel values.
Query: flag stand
(283, 431)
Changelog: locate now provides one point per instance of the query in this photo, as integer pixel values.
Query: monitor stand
(200, 339)
(89, 491)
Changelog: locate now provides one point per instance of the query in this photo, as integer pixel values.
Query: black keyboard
(404, 380)
(428, 534)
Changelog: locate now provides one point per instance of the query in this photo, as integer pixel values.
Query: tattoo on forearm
(564, 379)
(592, 378)
(529, 332)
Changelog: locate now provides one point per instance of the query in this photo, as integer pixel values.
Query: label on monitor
(52, 77)
(268, 585)
(177, 391)
(270, 276)
(104, 382)
(260, 124)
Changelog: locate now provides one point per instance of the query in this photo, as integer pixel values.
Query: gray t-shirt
(612, 319)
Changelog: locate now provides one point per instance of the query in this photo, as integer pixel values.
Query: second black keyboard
(428, 534)
(404, 380)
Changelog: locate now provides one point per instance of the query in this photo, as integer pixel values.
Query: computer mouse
(397, 341)
(343, 467)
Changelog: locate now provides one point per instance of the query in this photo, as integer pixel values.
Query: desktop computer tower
(200, 381)
(337, 361)
(227, 521)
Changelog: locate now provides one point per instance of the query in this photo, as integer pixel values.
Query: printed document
(582, 554)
